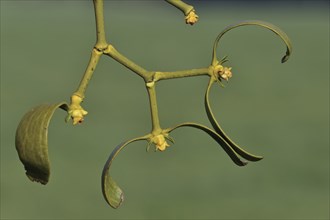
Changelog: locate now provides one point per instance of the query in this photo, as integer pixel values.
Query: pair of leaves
(114, 195)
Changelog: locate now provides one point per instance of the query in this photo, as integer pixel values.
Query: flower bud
(191, 18)
(160, 142)
(76, 112)
(221, 72)
(226, 74)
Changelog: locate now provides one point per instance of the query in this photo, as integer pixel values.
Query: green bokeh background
(280, 111)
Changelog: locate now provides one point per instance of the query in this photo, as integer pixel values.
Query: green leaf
(32, 141)
(219, 130)
(264, 24)
(227, 148)
(112, 193)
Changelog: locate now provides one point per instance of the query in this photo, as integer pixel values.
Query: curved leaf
(264, 24)
(220, 131)
(112, 193)
(227, 148)
(32, 141)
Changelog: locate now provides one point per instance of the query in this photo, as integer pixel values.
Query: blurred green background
(280, 111)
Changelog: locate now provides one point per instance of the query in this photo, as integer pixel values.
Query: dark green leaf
(264, 24)
(220, 131)
(228, 149)
(32, 142)
(111, 191)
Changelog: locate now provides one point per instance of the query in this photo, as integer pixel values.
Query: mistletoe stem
(180, 74)
(101, 42)
(156, 129)
(95, 57)
(112, 52)
(185, 8)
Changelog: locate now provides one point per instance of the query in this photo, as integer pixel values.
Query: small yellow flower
(160, 142)
(226, 73)
(78, 116)
(191, 18)
(222, 72)
(76, 112)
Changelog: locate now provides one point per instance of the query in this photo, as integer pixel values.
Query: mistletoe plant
(31, 135)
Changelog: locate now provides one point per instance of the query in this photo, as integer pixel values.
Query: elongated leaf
(112, 193)
(227, 148)
(220, 131)
(32, 141)
(264, 24)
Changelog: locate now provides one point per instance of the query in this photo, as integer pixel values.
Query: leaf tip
(36, 179)
(112, 193)
(242, 163)
(285, 58)
(36, 174)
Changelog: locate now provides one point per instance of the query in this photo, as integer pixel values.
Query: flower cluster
(160, 142)
(222, 72)
(191, 18)
(76, 112)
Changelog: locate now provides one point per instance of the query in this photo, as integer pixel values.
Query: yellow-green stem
(153, 108)
(95, 57)
(112, 52)
(185, 8)
(179, 74)
(101, 42)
